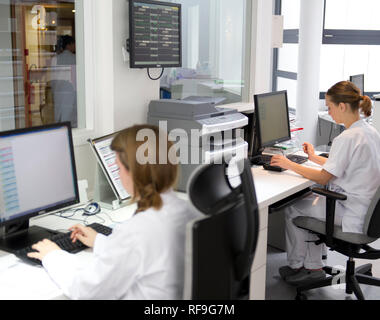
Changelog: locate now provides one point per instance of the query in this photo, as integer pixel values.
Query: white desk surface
(272, 186)
(24, 282)
(20, 281)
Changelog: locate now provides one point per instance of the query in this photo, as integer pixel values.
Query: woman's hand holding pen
(308, 148)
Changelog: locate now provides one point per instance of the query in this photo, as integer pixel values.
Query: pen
(296, 129)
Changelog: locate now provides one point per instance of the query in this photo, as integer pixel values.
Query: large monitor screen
(272, 118)
(107, 161)
(155, 34)
(37, 172)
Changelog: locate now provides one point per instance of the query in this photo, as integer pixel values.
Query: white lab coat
(354, 161)
(142, 259)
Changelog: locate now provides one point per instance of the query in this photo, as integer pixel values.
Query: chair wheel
(301, 296)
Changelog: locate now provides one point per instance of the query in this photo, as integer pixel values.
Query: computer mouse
(272, 168)
(91, 209)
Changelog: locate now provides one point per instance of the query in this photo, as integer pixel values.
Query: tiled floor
(277, 289)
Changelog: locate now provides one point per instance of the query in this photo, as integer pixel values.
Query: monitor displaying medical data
(155, 34)
(107, 161)
(37, 172)
(272, 118)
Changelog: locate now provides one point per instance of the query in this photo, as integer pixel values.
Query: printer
(201, 133)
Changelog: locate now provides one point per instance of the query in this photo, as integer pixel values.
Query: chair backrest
(372, 219)
(220, 247)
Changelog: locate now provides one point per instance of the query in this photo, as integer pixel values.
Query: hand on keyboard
(35, 253)
(42, 248)
(86, 235)
(281, 161)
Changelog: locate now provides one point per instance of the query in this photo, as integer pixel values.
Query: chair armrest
(330, 194)
(331, 198)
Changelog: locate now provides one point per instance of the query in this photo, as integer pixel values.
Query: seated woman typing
(353, 168)
(143, 258)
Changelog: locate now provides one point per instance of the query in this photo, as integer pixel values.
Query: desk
(21, 281)
(271, 187)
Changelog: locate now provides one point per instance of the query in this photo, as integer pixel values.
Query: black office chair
(220, 247)
(352, 245)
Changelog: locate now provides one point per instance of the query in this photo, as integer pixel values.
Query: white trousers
(302, 253)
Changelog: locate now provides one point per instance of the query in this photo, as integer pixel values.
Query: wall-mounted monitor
(155, 34)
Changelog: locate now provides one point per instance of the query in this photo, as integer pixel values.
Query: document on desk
(21, 281)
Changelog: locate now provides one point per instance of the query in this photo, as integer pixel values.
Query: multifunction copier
(201, 133)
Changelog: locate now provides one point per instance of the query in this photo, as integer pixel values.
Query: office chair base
(352, 277)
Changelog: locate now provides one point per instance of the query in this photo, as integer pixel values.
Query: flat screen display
(155, 34)
(37, 172)
(358, 80)
(107, 160)
(272, 118)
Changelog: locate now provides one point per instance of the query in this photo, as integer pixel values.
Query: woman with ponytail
(353, 168)
(143, 258)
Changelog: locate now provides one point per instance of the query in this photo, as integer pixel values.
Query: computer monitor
(358, 80)
(37, 175)
(112, 189)
(272, 119)
(155, 34)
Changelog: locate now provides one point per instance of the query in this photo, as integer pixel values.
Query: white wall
(264, 50)
(133, 90)
(121, 94)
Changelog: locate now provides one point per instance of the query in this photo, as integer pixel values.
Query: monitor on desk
(358, 80)
(37, 175)
(108, 185)
(272, 119)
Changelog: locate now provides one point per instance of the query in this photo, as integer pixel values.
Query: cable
(154, 79)
(113, 221)
(331, 130)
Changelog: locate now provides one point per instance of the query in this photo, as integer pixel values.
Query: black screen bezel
(271, 143)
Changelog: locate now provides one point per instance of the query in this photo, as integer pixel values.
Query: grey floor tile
(277, 289)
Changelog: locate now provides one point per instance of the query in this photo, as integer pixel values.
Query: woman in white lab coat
(353, 168)
(144, 257)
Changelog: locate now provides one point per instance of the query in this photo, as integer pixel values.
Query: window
(285, 65)
(39, 64)
(213, 34)
(351, 43)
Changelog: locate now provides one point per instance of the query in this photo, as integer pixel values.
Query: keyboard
(265, 159)
(64, 242)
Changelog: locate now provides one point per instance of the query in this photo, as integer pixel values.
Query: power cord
(154, 79)
(331, 130)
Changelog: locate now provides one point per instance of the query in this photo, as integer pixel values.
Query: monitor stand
(19, 235)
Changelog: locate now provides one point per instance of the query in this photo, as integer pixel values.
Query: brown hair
(349, 93)
(149, 179)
